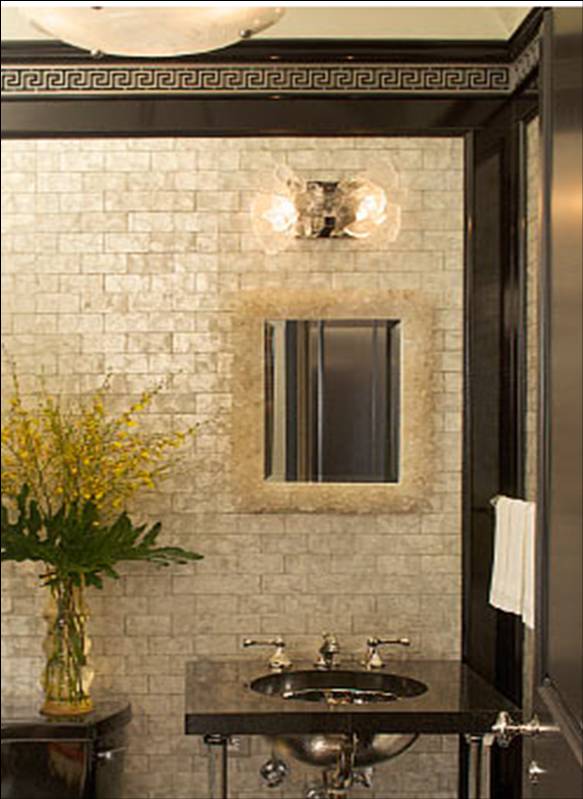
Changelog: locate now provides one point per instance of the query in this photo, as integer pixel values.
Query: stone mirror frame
(251, 491)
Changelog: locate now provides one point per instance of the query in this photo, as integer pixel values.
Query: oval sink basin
(338, 687)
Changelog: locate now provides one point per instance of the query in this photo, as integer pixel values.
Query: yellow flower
(70, 451)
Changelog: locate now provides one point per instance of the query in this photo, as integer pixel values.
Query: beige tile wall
(119, 256)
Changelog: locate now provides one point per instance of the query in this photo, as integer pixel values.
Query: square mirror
(332, 398)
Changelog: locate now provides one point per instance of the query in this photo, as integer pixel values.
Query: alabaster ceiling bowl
(153, 31)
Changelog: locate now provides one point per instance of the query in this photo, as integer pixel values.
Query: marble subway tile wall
(122, 256)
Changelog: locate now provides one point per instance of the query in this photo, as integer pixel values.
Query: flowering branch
(74, 453)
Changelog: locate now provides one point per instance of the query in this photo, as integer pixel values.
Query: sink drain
(340, 696)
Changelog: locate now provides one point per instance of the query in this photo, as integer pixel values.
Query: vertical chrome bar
(218, 766)
(474, 756)
(212, 770)
(486, 762)
(478, 770)
(224, 769)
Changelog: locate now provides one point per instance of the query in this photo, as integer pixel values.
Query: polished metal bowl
(338, 687)
(324, 750)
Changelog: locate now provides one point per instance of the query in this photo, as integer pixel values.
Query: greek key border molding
(29, 81)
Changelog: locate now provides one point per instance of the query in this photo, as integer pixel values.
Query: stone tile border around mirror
(251, 491)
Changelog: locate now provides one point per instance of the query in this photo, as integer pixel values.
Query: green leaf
(73, 543)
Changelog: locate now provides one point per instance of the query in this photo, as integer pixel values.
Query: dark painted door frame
(495, 410)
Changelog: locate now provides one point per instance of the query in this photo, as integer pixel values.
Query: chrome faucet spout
(328, 652)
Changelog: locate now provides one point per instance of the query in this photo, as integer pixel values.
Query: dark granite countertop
(219, 701)
(22, 721)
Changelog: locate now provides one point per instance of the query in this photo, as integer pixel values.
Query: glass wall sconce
(354, 207)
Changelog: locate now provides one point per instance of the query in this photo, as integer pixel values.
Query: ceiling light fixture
(152, 31)
(352, 207)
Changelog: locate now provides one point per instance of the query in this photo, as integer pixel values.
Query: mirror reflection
(332, 391)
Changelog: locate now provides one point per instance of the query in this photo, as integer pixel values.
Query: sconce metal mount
(353, 207)
(322, 221)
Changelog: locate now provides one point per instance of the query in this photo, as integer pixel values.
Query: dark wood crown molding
(525, 33)
(315, 51)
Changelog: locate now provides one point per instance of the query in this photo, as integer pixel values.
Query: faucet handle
(279, 661)
(372, 658)
(381, 641)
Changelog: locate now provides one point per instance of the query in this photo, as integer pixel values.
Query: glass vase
(67, 677)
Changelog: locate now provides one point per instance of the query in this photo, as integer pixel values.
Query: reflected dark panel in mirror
(332, 392)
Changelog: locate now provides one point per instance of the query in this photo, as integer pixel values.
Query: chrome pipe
(218, 767)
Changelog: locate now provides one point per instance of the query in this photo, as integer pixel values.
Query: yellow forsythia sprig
(77, 452)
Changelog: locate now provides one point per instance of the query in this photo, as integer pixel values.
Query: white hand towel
(528, 585)
(508, 567)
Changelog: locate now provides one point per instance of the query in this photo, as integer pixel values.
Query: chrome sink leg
(217, 751)
(478, 766)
